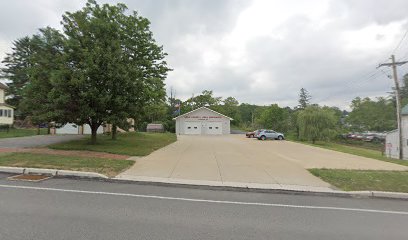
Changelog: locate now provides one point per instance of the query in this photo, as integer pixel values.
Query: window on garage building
(210, 127)
(216, 127)
(195, 127)
(188, 127)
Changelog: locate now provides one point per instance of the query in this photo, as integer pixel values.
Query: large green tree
(205, 99)
(274, 117)
(113, 66)
(229, 107)
(316, 123)
(369, 115)
(16, 70)
(45, 58)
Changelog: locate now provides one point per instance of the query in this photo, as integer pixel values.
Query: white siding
(87, 129)
(391, 145)
(69, 128)
(72, 128)
(392, 141)
(1, 95)
(204, 119)
(6, 115)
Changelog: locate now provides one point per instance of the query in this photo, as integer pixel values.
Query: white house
(392, 138)
(6, 111)
(202, 121)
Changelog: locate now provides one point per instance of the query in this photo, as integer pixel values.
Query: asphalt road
(79, 209)
(36, 141)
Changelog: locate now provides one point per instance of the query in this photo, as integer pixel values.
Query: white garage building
(392, 138)
(202, 121)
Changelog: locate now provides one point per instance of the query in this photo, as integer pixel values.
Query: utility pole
(394, 65)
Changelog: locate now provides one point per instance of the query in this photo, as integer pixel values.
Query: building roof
(200, 109)
(3, 86)
(404, 110)
(6, 105)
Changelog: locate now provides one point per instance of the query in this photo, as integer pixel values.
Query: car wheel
(250, 136)
(263, 138)
(280, 137)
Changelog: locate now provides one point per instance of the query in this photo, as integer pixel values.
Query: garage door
(193, 128)
(214, 128)
(69, 128)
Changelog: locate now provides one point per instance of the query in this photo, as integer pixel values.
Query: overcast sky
(259, 52)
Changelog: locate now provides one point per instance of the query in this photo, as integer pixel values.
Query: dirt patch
(30, 177)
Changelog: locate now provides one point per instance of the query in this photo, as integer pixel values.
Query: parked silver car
(270, 134)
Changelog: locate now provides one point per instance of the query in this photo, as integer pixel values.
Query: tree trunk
(48, 129)
(313, 141)
(297, 133)
(114, 130)
(38, 130)
(94, 129)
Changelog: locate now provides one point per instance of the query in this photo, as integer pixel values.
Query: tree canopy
(104, 68)
(16, 69)
(316, 123)
(369, 115)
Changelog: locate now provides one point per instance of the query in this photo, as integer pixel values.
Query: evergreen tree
(304, 98)
(16, 70)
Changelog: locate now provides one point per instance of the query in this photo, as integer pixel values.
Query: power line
(359, 82)
(399, 44)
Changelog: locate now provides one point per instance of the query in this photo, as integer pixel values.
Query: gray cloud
(331, 49)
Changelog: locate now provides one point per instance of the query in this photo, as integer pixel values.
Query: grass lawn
(359, 151)
(22, 132)
(358, 180)
(134, 143)
(109, 167)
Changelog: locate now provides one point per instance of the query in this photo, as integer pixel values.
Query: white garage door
(69, 128)
(214, 128)
(193, 128)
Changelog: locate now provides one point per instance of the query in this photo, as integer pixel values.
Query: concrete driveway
(234, 158)
(36, 141)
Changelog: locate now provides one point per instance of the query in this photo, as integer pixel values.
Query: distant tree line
(306, 121)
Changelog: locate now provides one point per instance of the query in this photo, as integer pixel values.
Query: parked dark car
(250, 134)
(253, 134)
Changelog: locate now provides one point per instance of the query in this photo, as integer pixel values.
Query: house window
(216, 127)
(210, 127)
(9, 113)
(195, 127)
(189, 128)
(1, 112)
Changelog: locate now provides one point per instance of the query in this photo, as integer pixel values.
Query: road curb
(53, 172)
(211, 185)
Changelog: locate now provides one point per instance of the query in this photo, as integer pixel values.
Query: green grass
(360, 180)
(109, 167)
(359, 151)
(21, 132)
(134, 143)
